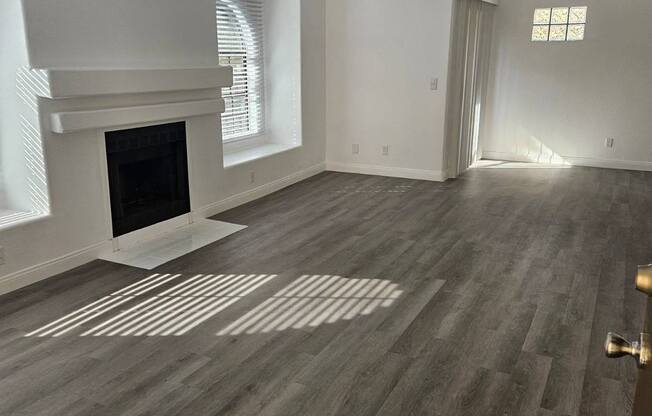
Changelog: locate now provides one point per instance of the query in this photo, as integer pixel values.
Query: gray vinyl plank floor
(356, 295)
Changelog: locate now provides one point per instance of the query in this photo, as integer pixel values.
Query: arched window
(240, 44)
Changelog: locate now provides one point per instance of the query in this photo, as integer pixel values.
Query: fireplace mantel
(67, 83)
(73, 121)
(87, 99)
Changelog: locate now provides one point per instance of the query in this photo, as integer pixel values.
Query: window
(559, 24)
(240, 42)
(24, 192)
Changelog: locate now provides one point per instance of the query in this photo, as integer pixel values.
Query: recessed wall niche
(23, 178)
(282, 102)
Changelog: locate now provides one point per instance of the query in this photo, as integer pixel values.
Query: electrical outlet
(2, 255)
(609, 143)
(434, 84)
(355, 149)
(386, 150)
(252, 177)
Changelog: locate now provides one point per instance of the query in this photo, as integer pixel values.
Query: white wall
(75, 169)
(121, 33)
(564, 99)
(381, 56)
(13, 55)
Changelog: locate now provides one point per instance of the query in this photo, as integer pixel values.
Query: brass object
(644, 279)
(617, 346)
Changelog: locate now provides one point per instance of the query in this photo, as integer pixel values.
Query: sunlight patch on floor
(501, 164)
(173, 312)
(102, 306)
(314, 300)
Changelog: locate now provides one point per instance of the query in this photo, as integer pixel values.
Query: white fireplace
(158, 68)
(92, 105)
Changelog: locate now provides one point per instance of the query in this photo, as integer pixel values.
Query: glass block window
(559, 24)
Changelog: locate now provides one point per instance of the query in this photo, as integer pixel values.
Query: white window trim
(245, 138)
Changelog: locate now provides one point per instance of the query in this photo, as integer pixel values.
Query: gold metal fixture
(644, 279)
(617, 346)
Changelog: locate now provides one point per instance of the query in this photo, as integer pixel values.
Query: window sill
(241, 156)
(11, 219)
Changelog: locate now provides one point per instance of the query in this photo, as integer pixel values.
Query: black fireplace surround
(148, 175)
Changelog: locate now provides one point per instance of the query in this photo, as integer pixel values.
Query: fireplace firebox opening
(148, 175)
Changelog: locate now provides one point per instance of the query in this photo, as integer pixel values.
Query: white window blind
(240, 44)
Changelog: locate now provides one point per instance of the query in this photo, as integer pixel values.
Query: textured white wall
(121, 33)
(553, 101)
(381, 56)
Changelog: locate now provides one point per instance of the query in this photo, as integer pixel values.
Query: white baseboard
(609, 163)
(259, 192)
(574, 161)
(52, 267)
(393, 172)
(33, 274)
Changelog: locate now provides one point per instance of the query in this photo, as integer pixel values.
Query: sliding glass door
(471, 47)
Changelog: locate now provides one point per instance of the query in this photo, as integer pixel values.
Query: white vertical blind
(240, 44)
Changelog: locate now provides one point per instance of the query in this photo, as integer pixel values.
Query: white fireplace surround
(65, 84)
(71, 121)
(90, 102)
